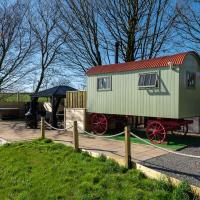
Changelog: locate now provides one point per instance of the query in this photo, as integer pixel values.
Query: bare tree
(83, 26)
(43, 19)
(188, 24)
(15, 44)
(143, 27)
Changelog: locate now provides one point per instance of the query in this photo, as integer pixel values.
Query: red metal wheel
(99, 124)
(156, 132)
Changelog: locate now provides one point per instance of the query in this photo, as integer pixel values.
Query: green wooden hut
(164, 87)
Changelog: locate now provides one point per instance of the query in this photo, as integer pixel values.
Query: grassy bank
(44, 170)
(23, 97)
(12, 97)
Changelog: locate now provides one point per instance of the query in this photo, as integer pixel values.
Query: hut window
(148, 80)
(190, 79)
(104, 83)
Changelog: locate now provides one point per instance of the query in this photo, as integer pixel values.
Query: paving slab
(16, 131)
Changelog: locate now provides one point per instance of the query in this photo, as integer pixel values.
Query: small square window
(190, 79)
(148, 80)
(104, 83)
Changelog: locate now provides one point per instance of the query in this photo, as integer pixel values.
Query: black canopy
(55, 94)
(58, 91)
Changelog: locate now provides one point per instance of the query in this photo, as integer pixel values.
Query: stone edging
(148, 172)
(153, 174)
(2, 141)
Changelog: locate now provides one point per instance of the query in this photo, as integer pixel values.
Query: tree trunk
(40, 81)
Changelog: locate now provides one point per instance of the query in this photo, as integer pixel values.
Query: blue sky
(175, 47)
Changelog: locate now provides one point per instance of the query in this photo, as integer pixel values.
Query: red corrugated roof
(176, 59)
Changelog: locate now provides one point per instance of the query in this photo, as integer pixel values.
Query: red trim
(176, 59)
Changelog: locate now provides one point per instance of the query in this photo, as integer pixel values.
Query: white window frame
(104, 89)
(157, 82)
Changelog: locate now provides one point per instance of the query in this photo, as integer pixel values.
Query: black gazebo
(55, 94)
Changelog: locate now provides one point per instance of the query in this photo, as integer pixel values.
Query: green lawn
(175, 142)
(43, 170)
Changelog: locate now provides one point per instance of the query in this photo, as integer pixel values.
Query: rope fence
(57, 129)
(101, 136)
(126, 132)
(161, 148)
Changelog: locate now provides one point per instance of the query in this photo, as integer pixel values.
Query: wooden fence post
(65, 119)
(75, 136)
(18, 97)
(127, 147)
(42, 128)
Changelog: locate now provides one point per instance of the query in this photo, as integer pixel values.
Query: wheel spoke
(152, 134)
(156, 132)
(99, 123)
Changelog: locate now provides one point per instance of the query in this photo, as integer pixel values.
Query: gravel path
(180, 167)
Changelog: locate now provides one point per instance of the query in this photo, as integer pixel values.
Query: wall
(195, 126)
(189, 105)
(18, 114)
(126, 99)
(23, 108)
(75, 114)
